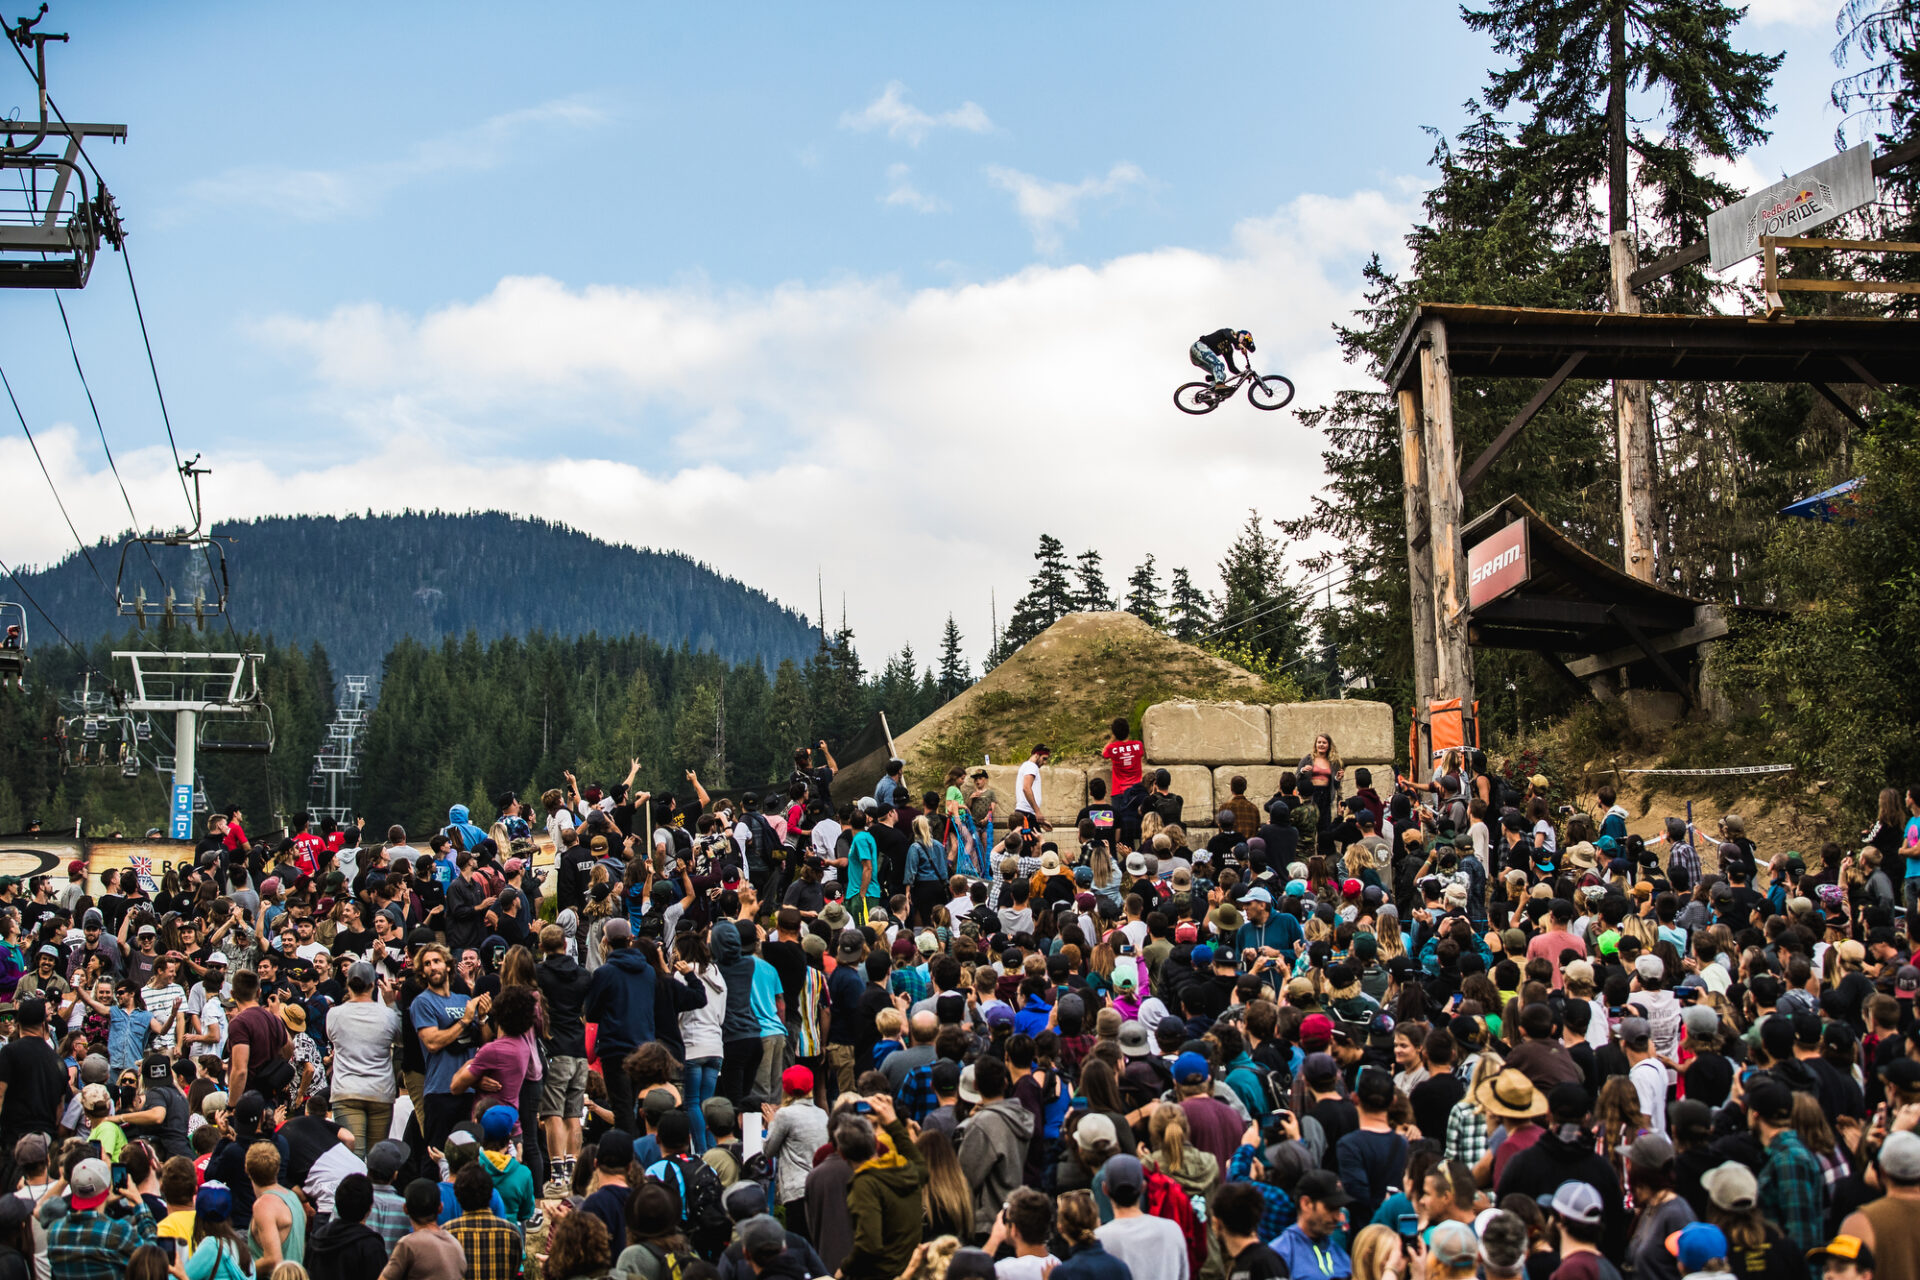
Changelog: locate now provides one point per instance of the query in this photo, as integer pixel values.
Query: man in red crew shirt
(1128, 756)
(307, 846)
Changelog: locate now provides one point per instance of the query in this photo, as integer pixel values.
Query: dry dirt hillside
(1062, 688)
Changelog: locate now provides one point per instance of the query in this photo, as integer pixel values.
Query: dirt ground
(1782, 814)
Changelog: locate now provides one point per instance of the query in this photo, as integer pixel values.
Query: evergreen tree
(696, 741)
(1049, 597)
(1575, 63)
(790, 716)
(1258, 610)
(1091, 597)
(1188, 617)
(1143, 594)
(954, 678)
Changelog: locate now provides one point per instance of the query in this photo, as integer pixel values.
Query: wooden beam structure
(1847, 411)
(1453, 653)
(1413, 476)
(1478, 471)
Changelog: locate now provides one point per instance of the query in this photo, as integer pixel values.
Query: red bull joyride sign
(1837, 185)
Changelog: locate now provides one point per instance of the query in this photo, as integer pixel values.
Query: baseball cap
(1093, 1130)
(213, 1104)
(1577, 1202)
(616, 928)
(31, 1149)
(760, 1235)
(1319, 1069)
(797, 1079)
(213, 1200)
(387, 1159)
(1190, 1068)
(498, 1122)
(1323, 1186)
(1316, 1028)
(1846, 1248)
(1258, 894)
(1649, 1151)
(744, 1199)
(1769, 1099)
(218, 958)
(615, 1150)
(1453, 1244)
(1697, 1244)
(1900, 1156)
(1633, 1030)
(91, 1184)
(1123, 1171)
(1134, 1041)
(1202, 955)
(1906, 983)
(1731, 1186)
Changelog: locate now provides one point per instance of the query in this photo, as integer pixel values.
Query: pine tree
(1575, 62)
(1260, 612)
(1188, 616)
(1143, 594)
(790, 719)
(954, 677)
(1091, 597)
(695, 742)
(1049, 597)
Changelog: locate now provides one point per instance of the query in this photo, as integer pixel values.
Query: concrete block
(1063, 791)
(1262, 781)
(1653, 710)
(1206, 733)
(1360, 730)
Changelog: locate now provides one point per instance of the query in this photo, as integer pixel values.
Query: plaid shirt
(1467, 1133)
(1246, 818)
(1682, 858)
(1794, 1190)
(1277, 1210)
(493, 1248)
(88, 1245)
(1074, 1051)
(389, 1216)
(912, 981)
(916, 1095)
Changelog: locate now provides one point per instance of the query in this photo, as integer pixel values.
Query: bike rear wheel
(1195, 397)
(1270, 392)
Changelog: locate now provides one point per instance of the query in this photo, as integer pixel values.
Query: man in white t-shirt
(1027, 804)
(1644, 1070)
(826, 833)
(1150, 1246)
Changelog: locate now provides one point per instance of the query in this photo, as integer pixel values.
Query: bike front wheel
(1195, 397)
(1270, 392)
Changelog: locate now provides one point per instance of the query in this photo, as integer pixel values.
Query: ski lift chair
(13, 643)
(203, 547)
(247, 732)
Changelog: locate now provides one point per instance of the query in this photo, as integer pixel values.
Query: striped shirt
(161, 1002)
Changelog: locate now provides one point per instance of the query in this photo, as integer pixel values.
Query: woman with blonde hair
(927, 871)
(1106, 872)
(931, 1260)
(1178, 835)
(1320, 773)
(1386, 931)
(946, 1197)
(1173, 1153)
(1151, 824)
(1377, 1254)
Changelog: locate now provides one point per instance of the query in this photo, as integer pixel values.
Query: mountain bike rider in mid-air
(1214, 352)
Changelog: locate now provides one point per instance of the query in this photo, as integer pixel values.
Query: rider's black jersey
(1222, 343)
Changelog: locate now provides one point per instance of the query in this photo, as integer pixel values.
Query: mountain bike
(1271, 391)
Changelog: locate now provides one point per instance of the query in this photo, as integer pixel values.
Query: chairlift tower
(336, 767)
(53, 220)
(225, 688)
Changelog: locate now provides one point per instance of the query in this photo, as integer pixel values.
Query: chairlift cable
(166, 419)
(57, 501)
(104, 446)
(1309, 588)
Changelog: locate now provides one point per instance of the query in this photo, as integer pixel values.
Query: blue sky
(882, 292)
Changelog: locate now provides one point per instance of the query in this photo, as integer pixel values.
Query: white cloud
(873, 432)
(318, 195)
(900, 119)
(1796, 13)
(902, 194)
(1048, 207)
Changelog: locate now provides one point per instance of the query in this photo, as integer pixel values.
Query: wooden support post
(1413, 464)
(1485, 461)
(1453, 654)
(1633, 419)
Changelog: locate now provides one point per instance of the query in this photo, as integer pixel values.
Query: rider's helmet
(1245, 340)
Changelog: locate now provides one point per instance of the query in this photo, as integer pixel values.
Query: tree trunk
(1633, 417)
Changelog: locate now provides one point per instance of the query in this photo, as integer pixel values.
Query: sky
(854, 300)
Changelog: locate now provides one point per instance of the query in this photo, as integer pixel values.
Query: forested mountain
(359, 585)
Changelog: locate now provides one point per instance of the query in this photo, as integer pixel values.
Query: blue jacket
(1281, 932)
(1032, 1018)
(1091, 1261)
(926, 862)
(458, 820)
(1307, 1260)
(620, 1000)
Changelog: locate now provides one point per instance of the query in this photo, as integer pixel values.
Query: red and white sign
(1497, 565)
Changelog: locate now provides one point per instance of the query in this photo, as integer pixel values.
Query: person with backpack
(656, 1243)
(1151, 1246)
(693, 1183)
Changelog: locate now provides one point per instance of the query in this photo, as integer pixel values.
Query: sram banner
(1497, 565)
